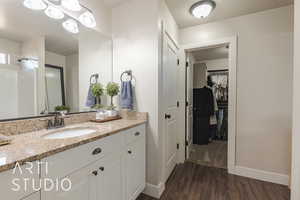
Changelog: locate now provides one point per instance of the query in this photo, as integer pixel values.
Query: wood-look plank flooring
(190, 181)
(213, 155)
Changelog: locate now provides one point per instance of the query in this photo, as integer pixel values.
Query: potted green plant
(97, 91)
(112, 89)
(62, 109)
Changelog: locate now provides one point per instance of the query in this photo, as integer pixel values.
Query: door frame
(62, 81)
(232, 102)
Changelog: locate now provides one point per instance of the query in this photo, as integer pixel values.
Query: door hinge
(187, 64)
(177, 104)
(187, 104)
(178, 62)
(177, 146)
(186, 143)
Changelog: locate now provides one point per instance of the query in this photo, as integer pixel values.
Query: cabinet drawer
(64, 163)
(135, 134)
(12, 179)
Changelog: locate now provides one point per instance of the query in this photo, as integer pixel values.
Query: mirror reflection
(44, 67)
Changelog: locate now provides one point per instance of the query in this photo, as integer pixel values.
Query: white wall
(95, 56)
(35, 98)
(102, 15)
(137, 47)
(217, 64)
(295, 192)
(55, 59)
(135, 37)
(72, 82)
(9, 75)
(264, 82)
(199, 75)
(169, 22)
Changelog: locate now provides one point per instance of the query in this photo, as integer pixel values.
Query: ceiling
(211, 53)
(225, 9)
(112, 3)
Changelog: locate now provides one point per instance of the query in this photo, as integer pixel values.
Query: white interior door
(170, 106)
(189, 107)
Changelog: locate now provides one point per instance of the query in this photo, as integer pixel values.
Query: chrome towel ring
(128, 73)
(95, 76)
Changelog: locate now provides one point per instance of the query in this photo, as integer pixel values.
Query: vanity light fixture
(54, 13)
(87, 19)
(29, 63)
(58, 9)
(203, 8)
(72, 5)
(71, 26)
(35, 4)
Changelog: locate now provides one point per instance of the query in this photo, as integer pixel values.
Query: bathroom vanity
(107, 164)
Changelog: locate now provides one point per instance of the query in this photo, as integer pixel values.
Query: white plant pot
(112, 113)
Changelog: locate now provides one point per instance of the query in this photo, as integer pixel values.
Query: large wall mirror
(43, 66)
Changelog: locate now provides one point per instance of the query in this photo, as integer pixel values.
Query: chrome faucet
(57, 122)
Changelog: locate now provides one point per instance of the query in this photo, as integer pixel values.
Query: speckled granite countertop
(32, 146)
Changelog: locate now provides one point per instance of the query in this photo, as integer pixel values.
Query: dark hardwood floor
(195, 182)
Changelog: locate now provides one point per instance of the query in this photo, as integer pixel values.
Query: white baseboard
(272, 177)
(154, 190)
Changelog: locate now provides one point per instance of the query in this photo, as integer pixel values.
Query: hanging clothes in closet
(203, 108)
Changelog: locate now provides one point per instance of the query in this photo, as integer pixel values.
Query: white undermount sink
(69, 133)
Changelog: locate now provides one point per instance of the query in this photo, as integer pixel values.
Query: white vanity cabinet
(16, 184)
(110, 179)
(135, 163)
(116, 172)
(82, 187)
(34, 196)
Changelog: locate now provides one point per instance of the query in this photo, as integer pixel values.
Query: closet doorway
(207, 110)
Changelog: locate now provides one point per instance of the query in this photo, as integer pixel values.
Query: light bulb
(87, 19)
(71, 26)
(72, 5)
(54, 12)
(35, 4)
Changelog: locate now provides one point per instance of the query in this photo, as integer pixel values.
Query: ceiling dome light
(54, 13)
(71, 26)
(203, 8)
(35, 4)
(72, 5)
(87, 19)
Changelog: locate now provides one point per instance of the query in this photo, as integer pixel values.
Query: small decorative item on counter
(100, 111)
(63, 110)
(112, 89)
(111, 112)
(101, 115)
(97, 90)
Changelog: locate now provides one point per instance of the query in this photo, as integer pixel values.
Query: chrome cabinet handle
(137, 134)
(97, 151)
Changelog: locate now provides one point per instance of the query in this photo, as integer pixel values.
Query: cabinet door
(83, 187)
(35, 196)
(135, 167)
(110, 179)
